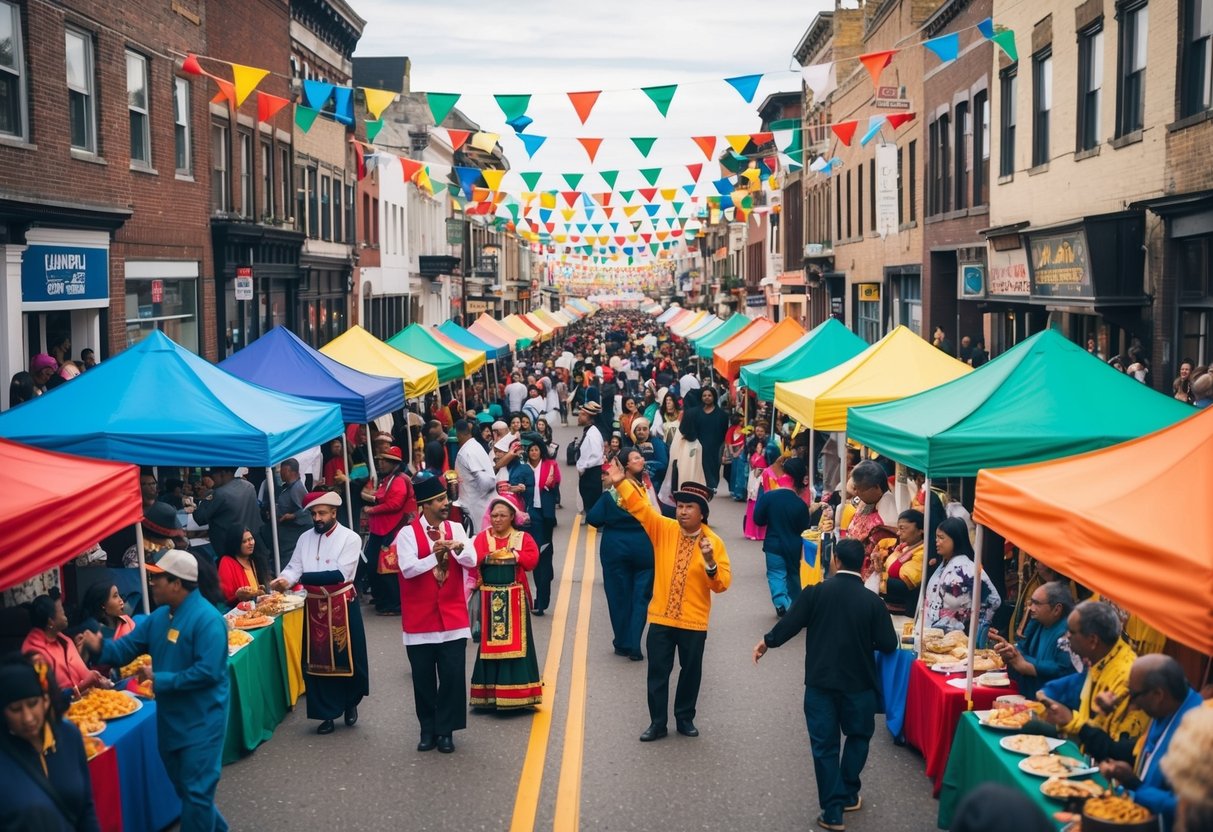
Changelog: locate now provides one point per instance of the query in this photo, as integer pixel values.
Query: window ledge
(1127, 139)
(139, 167)
(1041, 168)
(184, 177)
(907, 226)
(957, 214)
(1190, 121)
(979, 210)
(17, 142)
(1002, 180)
(933, 218)
(85, 156)
(1090, 152)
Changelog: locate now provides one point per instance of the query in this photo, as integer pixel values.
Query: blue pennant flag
(652, 210)
(986, 27)
(520, 123)
(874, 125)
(532, 143)
(343, 105)
(946, 47)
(746, 85)
(724, 186)
(468, 177)
(317, 93)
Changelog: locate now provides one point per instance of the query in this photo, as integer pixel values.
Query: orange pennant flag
(269, 105)
(707, 144)
(410, 168)
(245, 79)
(227, 91)
(760, 139)
(876, 62)
(591, 147)
(583, 103)
(603, 198)
(458, 137)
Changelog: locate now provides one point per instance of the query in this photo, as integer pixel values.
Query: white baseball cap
(176, 562)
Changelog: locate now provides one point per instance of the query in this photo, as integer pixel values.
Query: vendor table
(292, 640)
(107, 798)
(978, 758)
(259, 696)
(894, 671)
(933, 708)
(140, 783)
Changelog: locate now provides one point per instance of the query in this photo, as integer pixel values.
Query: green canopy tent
(732, 325)
(824, 346)
(415, 342)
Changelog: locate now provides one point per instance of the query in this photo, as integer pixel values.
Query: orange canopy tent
(1089, 517)
(726, 354)
(773, 341)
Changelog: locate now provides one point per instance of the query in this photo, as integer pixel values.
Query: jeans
(194, 773)
(783, 578)
(627, 577)
(662, 642)
(827, 713)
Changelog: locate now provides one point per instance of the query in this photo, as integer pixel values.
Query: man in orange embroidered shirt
(690, 563)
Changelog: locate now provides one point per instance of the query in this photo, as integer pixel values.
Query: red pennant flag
(410, 168)
(695, 170)
(770, 163)
(269, 105)
(191, 65)
(621, 240)
(677, 232)
(458, 137)
(895, 120)
(550, 226)
(591, 147)
(574, 238)
(760, 139)
(359, 157)
(608, 211)
(648, 193)
(603, 199)
(646, 237)
(845, 131)
(571, 197)
(707, 144)
(583, 103)
(876, 62)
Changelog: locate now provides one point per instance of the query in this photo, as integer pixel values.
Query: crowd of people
(444, 516)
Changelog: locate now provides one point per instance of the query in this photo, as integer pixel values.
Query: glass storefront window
(868, 320)
(167, 304)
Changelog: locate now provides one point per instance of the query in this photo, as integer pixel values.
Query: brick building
(103, 226)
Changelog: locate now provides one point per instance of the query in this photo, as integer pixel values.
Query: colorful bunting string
(661, 97)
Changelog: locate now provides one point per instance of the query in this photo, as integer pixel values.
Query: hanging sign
(157, 291)
(887, 218)
(64, 277)
(244, 283)
(454, 232)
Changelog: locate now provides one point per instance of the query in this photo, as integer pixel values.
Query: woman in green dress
(506, 674)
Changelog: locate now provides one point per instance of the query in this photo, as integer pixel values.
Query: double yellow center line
(568, 791)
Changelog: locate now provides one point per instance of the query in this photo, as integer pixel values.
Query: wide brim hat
(427, 486)
(161, 519)
(322, 498)
(521, 518)
(693, 492)
(592, 408)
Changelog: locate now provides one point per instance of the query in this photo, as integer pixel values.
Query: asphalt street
(584, 768)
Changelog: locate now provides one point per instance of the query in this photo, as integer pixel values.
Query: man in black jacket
(846, 622)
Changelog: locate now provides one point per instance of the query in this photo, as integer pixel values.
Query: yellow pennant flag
(492, 178)
(487, 141)
(377, 101)
(527, 197)
(560, 238)
(633, 238)
(752, 175)
(455, 204)
(630, 210)
(422, 180)
(668, 194)
(547, 199)
(568, 214)
(245, 79)
(661, 235)
(738, 143)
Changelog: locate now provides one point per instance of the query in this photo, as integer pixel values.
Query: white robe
(340, 549)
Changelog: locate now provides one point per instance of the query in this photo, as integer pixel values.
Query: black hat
(19, 680)
(161, 520)
(427, 487)
(693, 492)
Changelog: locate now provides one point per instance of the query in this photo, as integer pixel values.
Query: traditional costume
(506, 674)
(435, 618)
(334, 643)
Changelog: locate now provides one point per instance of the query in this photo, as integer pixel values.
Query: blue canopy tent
(467, 339)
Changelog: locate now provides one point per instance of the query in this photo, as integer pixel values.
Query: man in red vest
(433, 554)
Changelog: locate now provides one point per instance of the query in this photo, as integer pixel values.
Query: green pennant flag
(661, 96)
(677, 207)
(514, 106)
(513, 209)
(305, 117)
(1005, 39)
(441, 103)
(627, 195)
(372, 129)
(609, 177)
(650, 175)
(644, 145)
(574, 179)
(531, 178)
(453, 189)
(682, 222)
(653, 247)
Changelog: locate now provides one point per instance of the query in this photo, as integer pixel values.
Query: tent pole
(926, 548)
(269, 483)
(974, 615)
(370, 451)
(813, 459)
(842, 469)
(408, 436)
(349, 500)
(143, 590)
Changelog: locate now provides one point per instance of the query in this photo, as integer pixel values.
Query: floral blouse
(950, 593)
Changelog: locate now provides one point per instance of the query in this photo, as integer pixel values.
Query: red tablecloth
(107, 796)
(933, 708)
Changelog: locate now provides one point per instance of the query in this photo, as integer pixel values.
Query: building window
(1008, 94)
(981, 148)
(175, 314)
(313, 208)
(1131, 100)
(913, 172)
(349, 213)
(338, 213)
(859, 198)
(837, 181)
(872, 194)
(939, 195)
(849, 211)
(137, 105)
(12, 71)
(181, 125)
(81, 96)
(246, 174)
(867, 320)
(1197, 79)
(267, 180)
(1042, 105)
(326, 208)
(1090, 86)
(960, 152)
(284, 174)
(221, 154)
(907, 294)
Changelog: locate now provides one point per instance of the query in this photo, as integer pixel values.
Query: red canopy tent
(55, 506)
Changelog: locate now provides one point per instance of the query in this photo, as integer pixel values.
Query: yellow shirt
(682, 590)
(1111, 673)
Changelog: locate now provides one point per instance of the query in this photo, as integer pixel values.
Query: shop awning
(544, 329)
(487, 325)
(1096, 518)
(687, 323)
(703, 327)
(826, 345)
(1045, 398)
(521, 329)
(548, 318)
(665, 316)
(731, 326)
(415, 342)
(724, 357)
(493, 347)
(898, 365)
(781, 336)
(359, 349)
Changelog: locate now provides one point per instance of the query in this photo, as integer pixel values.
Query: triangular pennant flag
(570, 198)
(410, 168)
(591, 147)
(441, 104)
(532, 143)
(945, 47)
(677, 206)
(246, 79)
(372, 129)
(644, 145)
(305, 117)
(630, 210)
(770, 162)
(650, 175)
(485, 141)
(545, 214)
(603, 199)
(468, 177)
(573, 179)
(424, 183)
(377, 101)
(191, 65)
(227, 91)
(668, 194)
(343, 105)
(759, 139)
(568, 214)
(513, 106)
(458, 137)
(724, 186)
(738, 143)
(583, 103)
(874, 125)
(695, 170)
(1006, 42)
(821, 79)
(746, 85)
(627, 195)
(707, 144)
(897, 119)
(359, 159)
(520, 123)
(480, 194)
(316, 94)
(269, 106)
(609, 177)
(531, 178)
(648, 194)
(492, 178)
(845, 131)
(986, 27)
(875, 62)
(652, 210)
(661, 96)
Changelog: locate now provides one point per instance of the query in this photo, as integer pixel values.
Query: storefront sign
(64, 277)
(454, 232)
(886, 190)
(972, 280)
(1007, 273)
(157, 291)
(244, 283)
(1059, 265)
(475, 307)
(524, 294)
(756, 300)
(868, 292)
(891, 98)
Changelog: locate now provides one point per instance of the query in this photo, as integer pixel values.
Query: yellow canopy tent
(548, 318)
(546, 330)
(358, 349)
(520, 328)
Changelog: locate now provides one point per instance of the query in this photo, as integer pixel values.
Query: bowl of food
(1117, 813)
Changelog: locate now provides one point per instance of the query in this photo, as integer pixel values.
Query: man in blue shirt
(186, 638)
(1040, 656)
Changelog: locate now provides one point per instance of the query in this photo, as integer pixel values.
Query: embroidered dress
(950, 594)
(506, 674)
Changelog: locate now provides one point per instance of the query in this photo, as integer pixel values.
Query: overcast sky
(549, 47)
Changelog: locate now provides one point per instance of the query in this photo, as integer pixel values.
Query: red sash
(327, 648)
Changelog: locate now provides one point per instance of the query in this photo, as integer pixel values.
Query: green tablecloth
(977, 758)
(259, 701)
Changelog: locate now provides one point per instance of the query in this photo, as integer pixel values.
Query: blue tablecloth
(894, 670)
(149, 803)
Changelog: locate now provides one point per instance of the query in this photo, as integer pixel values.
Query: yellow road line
(526, 801)
(568, 792)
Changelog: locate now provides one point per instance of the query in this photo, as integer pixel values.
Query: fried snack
(1050, 765)
(144, 689)
(1031, 744)
(1059, 788)
(87, 723)
(273, 605)
(131, 669)
(1016, 716)
(237, 638)
(104, 704)
(93, 747)
(251, 621)
(1116, 809)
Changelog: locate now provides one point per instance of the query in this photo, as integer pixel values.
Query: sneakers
(836, 825)
(856, 806)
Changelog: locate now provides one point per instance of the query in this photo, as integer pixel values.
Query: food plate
(1012, 718)
(977, 683)
(138, 706)
(948, 667)
(1054, 765)
(1059, 788)
(1030, 744)
(994, 679)
(252, 623)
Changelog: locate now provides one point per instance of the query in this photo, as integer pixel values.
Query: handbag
(389, 561)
